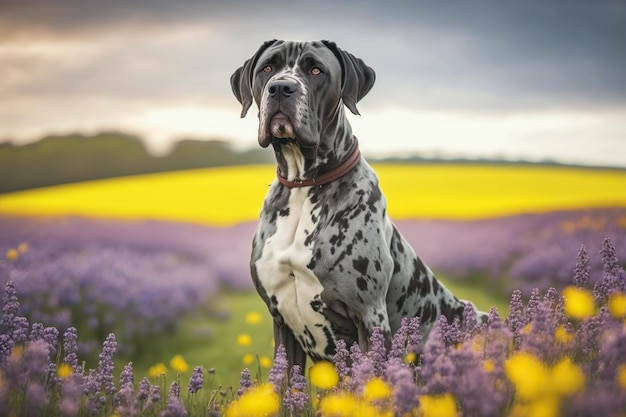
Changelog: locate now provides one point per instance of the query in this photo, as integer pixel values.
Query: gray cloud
(443, 54)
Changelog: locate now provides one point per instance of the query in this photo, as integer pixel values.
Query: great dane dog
(326, 259)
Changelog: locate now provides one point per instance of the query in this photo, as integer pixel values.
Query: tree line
(55, 160)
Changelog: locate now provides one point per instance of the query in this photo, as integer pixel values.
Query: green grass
(208, 336)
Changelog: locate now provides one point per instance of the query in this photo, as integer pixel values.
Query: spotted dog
(326, 259)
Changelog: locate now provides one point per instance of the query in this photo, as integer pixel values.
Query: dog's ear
(241, 80)
(356, 78)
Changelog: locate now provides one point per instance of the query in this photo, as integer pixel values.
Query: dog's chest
(291, 286)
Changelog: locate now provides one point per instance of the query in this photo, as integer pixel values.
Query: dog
(326, 258)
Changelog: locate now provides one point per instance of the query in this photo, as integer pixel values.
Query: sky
(534, 80)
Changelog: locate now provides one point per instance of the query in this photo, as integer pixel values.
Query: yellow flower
(12, 254)
(376, 389)
(411, 358)
(64, 370)
(578, 303)
(22, 247)
(528, 374)
(254, 317)
(489, 366)
(323, 375)
(617, 305)
(248, 359)
(265, 362)
(157, 370)
(567, 378)
(562, 335)
(438, 406)
(179, 364)
(259, 401)
(342, 404)
(621, 376)
(244, 340)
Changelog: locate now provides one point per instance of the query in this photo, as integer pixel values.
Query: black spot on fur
(451, 310)
(425, 290)
(361, 283)
(436, 287)
(317, 303)
(330, 348)
(360, 264)
(284, 212)
(429, 313)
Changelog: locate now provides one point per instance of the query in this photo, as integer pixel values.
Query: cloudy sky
(535, 79)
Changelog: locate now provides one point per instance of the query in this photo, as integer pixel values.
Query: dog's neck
(296, 163)
(336, 145)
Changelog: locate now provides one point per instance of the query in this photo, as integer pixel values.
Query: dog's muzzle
(281, 127)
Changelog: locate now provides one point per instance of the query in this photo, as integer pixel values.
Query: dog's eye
(267, 69)
(316, 71)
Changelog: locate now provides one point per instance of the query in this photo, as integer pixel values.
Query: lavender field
(95, 274)
(123, 283)
(558, 354)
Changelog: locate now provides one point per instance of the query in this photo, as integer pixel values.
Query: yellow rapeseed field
(225, 196)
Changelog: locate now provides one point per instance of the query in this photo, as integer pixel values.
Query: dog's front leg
(295, 354)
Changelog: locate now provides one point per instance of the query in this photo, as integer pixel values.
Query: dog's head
(299, 88)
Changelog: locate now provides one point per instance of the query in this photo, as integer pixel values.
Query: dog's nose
(282, 88)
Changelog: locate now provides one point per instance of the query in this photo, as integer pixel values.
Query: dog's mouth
(282, 129)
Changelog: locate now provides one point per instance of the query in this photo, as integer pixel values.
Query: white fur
(283, 272)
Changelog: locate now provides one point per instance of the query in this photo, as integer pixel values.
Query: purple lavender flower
(414, 341)
(51, 336)
(155, 397)
(175, 407)
(590, 330)
(70, 349)
(174, 390)
(278, 373)
(127, 378)
(71, 393)
(195, 383)
(539, 338)
(356, 355)
(405, 392)
(245, 382)
(20, 330)
(610, 280)
(106, 365)
(91, 388)
(36, 332)
(144, 389)
(609, 257)
(398, 342)
(125, 402)
(470, 320)
(378, 352)
(342, 355)
(296, 397)
(10, 307)
(582, 270)
(362, 371)
(450, 333)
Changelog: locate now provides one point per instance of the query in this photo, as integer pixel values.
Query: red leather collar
(330, 176)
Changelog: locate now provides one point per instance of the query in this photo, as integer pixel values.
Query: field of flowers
(558, 354)
(231, 195)
(96, 273)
